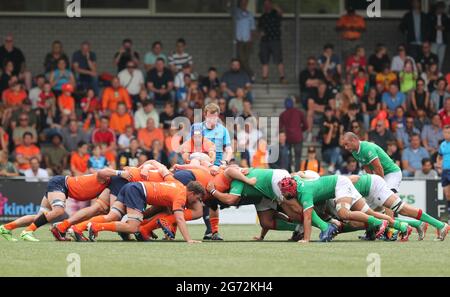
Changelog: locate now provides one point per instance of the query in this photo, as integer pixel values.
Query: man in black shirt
(166, 117)
(125, 54)
(309, 80)
(378, 60)
(210, 82)
(8, 52)
(130, 157)
(426, 57)
(270, 45)
(160, 82)
(331, 150)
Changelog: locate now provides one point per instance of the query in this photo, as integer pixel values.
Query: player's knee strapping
(58, 203)
(365, 208)
(134, 218)
(397, 205)
(341, 205)
(118, 211)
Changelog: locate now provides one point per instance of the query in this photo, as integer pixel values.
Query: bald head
(351, 141)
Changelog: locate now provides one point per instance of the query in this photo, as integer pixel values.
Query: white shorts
(393, 180)
(266, 204)
(346, 189)
(379, 192)
(278, 175)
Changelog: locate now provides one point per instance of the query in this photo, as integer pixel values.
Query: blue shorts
(445, 179)
(133, 196)
(116, 184)
(184, 176)
(57, 184)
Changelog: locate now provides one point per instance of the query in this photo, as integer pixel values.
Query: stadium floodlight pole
(297, 39)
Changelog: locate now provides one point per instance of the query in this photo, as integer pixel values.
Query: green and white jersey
(253, 194)
(310, 192)
(369, 151)
(364, 184)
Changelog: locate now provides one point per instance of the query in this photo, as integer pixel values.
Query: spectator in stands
(90, 103)
(309, 80)
(284, 156)
(72, 135)
(317, 104)
(269, 26)
(124, 139)
(35, 173)
(113, 95)
(236, 105)
(386, 77)
(211, 97)
(398, 120)
(311, 162)
(420, 98)
(210, 82)
(26, 151)
(25, 107)
(61, 76)
(144, 113)
(421, 119)
(247, 112)
(151, 57)
(35, 92)
(351, 25)
(8, 52)
(431, 76)
(412, 156)
(180, 76)
(293, 122)
(427, 171)
(130, 156)
(167, 116)
(46, 106)
(157, 153)
(179, 57)
(426, 57)
(52, 58)
(7, 77)
(4, 140)
(182, 92)
(55, 156)
(97, 161)
(370, 107)
(121, 119)
(440, 95)
(132, 80)
(329, 62)
(125, 54)
(378, 60)
(84, 64)
(415, 24)
(160, 82)
(381, 135)
(439, 29)
(24, 127)
(260, 158)
(393, 152)
(12, 99)
(432, 135)
(331, 137)
(398, 62)
(66, 103)
(393, 98)
(357, 128)
(343, 100)
(444, 113)
(235, 78)
(244, 29)
(351, 167)
(79, 159)
(104, 134)
(407, 77)
(405, 133)
(7, 168)
(355, 62)
(147, 135)
(352, 115)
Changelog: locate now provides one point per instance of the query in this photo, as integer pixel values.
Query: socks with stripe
(214, 224)
(424, 217)
(83, 225)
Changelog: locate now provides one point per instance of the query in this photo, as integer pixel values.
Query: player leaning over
(335, 187)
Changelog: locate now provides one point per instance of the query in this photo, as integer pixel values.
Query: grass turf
(237, 256)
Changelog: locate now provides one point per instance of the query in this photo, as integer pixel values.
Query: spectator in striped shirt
(179, 57)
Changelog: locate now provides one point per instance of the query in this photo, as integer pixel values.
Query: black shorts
(445, 179)
(116, 184)
(214, 204)
(270, 48)
(57, 184)
(184, 176)
(133, 196)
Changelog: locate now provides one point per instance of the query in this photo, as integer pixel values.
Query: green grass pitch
(237, 256)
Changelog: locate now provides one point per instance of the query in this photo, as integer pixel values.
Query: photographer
(125, 54)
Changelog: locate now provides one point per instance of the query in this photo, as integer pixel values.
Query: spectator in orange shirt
(113, 95)
(351, 25)
(120, 119)
(311, 163)
(12, 99)
(79, 159)
(26, 151)
(261, 155)
(150, 133)
(66, 103)
(191, 148)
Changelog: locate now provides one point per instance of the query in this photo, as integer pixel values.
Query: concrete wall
(209, 39)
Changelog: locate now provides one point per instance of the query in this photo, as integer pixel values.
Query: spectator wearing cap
(244, 28)
(113, 95)
(149, 133)
(23, 127)
(66, 103)
(132, 80)
(25, 151)
(104, 134)
(284, 156)
(84, 64)
(179, 57)
(412, 156)
(72, 135)
(198, 148)
(415, 24)
(381, 135)
(235, 78)
(125, 54)
(60, 76)
(427, 171)
(35, 173)
(211, 81)
(55, 155)
(151, 57)
(144, 113)
(121, 119)
(311, 162)
(7, 168)
(351, 167)
(160, 82)
(293, 123)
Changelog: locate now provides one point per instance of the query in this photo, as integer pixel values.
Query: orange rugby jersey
(169, 193)
(84, 187)
(150, 176)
